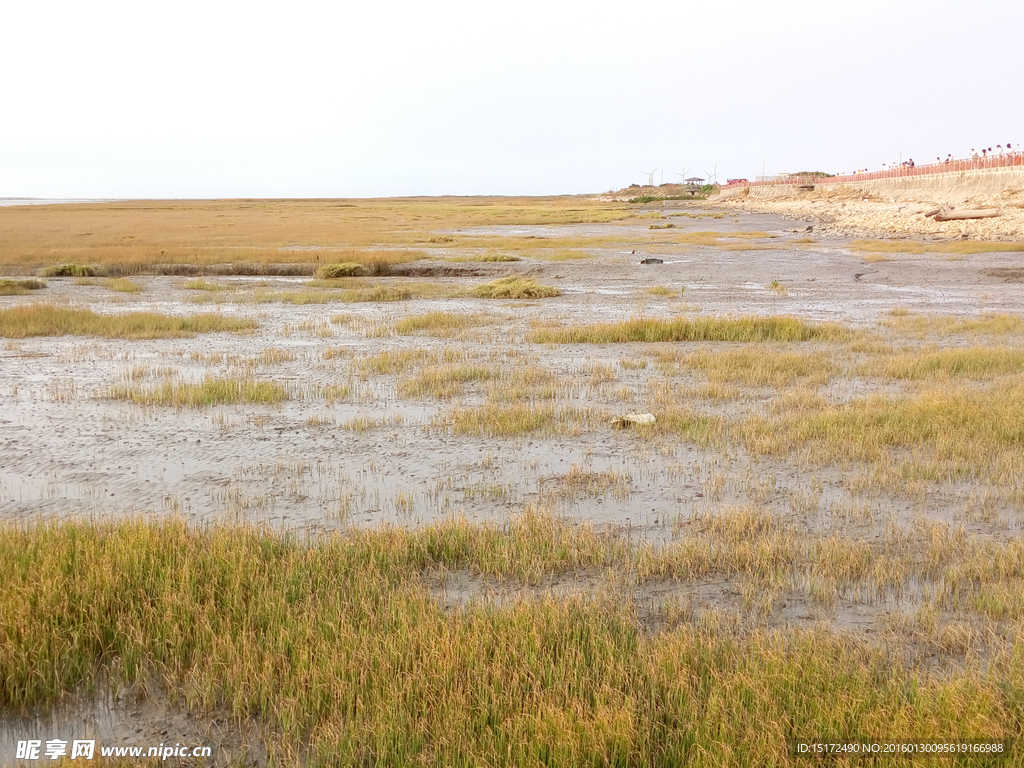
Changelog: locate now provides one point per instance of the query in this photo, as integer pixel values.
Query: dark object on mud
(652, 261)
(981, 213)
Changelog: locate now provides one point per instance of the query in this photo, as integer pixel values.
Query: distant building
(737, 181)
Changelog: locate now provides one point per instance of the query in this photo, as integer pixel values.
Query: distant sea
(51, 201)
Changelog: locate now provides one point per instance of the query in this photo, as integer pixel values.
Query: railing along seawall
(1006, 160)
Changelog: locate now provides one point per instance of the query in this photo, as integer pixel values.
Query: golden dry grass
(514, 287)
(20, 287)
(936, 364)
(962, 247)
(119, 284)
(210, 391)
(135, 236)
(339, 650)
(756, 365)
(903, 321)
(438, 323)
(51, 320)
(952, 432)
(684, 329)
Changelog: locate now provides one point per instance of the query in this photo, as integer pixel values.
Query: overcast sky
(344, 99)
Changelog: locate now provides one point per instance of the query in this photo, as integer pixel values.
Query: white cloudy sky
(318, 99)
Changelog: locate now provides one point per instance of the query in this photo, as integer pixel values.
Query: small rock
(652, 261)
(631, 419)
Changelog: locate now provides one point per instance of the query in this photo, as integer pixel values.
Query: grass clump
(914, 246)
(380, 293)
(120, 284)
(124, 285)
(989, 324)
(51, 320)
(210, 391)
(562, 255)
(439, 323)
(514, 288)
(949, 433)
(204, 285)
(972, 363)
(72, 270)
(486, 258)
(515, 419)
(444, 381)
(756, 365)
(344, 269)
(683, 329)
(20, 287)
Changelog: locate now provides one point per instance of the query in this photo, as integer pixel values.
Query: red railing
(1006, 160)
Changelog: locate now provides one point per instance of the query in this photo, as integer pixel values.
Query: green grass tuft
(514, 288)
(72, 270)
(51, 320)
(344, 269)
(20, 287)
(210, 391)
(683, 329)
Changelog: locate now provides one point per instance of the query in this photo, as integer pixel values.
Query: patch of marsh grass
(391, 361)
(441, 324)
(339, 649)
(20, 287)
(960, 432)
(276, 356)
(962, 247)
(488, 257)
(119, 284)
(52, 320)
(124, 285)
(971, 363)
(204, 285)
(380, 293)
(514, 287)
(561, 255)
(516, 419)
(72, 270)
(753, 365)
(902, 320)
(649, 330)
(713, 238)
(343, 269)
(210, 391)
(444, 381)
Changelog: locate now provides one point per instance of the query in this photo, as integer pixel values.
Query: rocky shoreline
(854, 213)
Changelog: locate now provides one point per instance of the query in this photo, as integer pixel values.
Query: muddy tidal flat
(836, 449)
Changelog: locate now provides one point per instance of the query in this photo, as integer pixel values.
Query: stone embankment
(897, 207)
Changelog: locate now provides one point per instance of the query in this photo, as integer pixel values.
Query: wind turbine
(682, 176)
(650, 177)
(713, 176)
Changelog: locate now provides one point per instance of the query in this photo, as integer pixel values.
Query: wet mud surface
(68, 450)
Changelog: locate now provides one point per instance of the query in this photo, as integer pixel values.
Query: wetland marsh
(403, 527)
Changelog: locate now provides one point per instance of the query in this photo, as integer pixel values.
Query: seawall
(934, 187)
